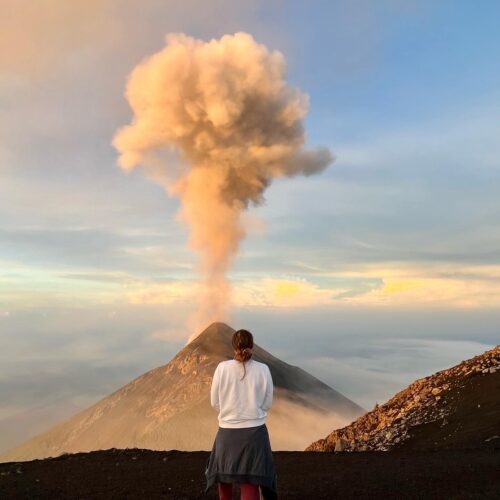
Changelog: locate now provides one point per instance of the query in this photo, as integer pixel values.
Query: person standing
(242, 393)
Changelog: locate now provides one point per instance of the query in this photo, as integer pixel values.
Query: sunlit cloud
(388, 285)
(446, 285)
(282, 292)
(162, 293)
(402, 286)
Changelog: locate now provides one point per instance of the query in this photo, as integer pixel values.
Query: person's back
(243, 395)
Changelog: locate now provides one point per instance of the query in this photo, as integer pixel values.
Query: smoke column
(225, 108)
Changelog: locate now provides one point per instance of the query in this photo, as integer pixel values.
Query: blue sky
(383, 268)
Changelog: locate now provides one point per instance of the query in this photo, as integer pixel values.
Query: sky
(383, 268)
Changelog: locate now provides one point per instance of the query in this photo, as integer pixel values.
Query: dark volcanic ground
(146, 474)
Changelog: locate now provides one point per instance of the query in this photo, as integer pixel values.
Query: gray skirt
(243, 455)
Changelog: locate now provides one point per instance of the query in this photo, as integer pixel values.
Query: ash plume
(225, 108)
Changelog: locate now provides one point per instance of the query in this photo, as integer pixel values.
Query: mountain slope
(169, 408)
(454, 408)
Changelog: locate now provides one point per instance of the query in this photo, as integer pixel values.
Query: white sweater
(241, 403)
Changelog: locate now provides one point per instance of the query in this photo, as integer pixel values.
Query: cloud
(282, 292)
(171, 292)
(36, 37)
(92, 248)
(384, 366)
(389, 285)
(276, 292)
(443, 285)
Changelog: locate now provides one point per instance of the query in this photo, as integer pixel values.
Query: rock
(435, 391)
(340, 445)
(492, 438)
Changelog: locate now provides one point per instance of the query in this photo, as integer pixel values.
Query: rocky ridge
(433, 399)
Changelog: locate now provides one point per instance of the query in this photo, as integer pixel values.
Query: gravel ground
(134, 473)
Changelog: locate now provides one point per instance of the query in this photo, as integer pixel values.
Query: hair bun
(242, 343)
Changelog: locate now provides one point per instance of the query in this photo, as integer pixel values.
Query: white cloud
(388, 366)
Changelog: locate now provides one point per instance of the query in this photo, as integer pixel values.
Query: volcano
(169, 408)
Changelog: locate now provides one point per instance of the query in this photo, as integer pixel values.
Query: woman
(242, 393)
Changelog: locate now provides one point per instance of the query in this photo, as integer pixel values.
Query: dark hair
(242, 345)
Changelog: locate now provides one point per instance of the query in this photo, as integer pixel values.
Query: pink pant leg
(249, 491)
(225, 491)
